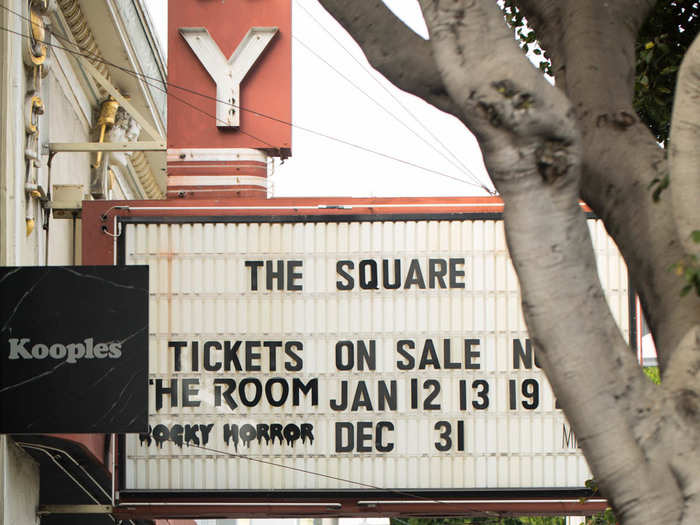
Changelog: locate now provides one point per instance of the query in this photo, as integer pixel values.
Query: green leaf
(652, 372)
(695, 236)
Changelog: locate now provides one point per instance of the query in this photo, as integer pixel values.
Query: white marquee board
(274, 342)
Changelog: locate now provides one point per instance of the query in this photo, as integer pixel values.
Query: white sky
(323, 101)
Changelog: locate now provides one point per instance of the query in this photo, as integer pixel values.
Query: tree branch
(564, 305)
(591, 43)
(620, 159)
(393, 49)
(684, 154)
(490, 78)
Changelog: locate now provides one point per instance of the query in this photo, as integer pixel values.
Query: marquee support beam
(57, 147)
(74, 509)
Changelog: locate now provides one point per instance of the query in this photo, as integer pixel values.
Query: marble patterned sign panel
(74, 349)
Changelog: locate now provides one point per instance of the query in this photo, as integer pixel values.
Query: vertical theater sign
(229, 96)
(326, 349)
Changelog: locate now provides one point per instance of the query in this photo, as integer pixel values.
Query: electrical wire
(384, 108)
(335, 478)
(143, 77)
(369, 72)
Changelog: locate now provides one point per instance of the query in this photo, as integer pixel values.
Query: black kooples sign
(74, 349)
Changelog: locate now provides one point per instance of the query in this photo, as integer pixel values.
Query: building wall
(20, 485)
(11, 143)
(19, 474)
(71, 105)
(65, 124)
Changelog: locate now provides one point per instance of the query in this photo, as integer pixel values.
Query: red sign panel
(229, 70)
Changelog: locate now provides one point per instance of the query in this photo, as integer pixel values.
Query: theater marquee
(392, 353)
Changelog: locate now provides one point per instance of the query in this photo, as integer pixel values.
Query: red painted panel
(98, 216)
(97, 245)
(346, 507)
(93, 443)
(266, 89)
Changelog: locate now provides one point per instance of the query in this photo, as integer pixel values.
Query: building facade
(74, 74)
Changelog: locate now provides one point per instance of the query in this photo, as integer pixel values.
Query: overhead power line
(380, 105)
(369, 72)
(92, 56)
(411, 495)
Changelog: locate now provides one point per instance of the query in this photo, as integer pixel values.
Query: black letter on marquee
(446, 429)
(469, 356)
(189, 391)
(257, 391)
(231, 356)
(343, 398)
(230, 386)
(349, 432)
(378, 440)
(271, 275)
(161, 391)
(387, 396)
(397, 274)
(289, 348)
(253, 265)
(435, 274)
(363, 436)
(339, 346)
(454, 273)
(415, 276)
(350, 282)
(483, 394)
(268, 391)
(428, 403)
(299, 387)
(361, 398)
(292, 276)
(208, 366)
(410, 362)
(523, 355)
(429, 356)
(368, 282)
(177, 346)
(273, 346)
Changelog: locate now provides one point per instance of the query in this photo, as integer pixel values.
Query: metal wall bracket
(56, 147)
(123, 101)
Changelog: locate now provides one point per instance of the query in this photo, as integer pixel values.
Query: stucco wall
(20, 485)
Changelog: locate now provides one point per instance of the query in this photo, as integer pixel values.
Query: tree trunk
(545, 148)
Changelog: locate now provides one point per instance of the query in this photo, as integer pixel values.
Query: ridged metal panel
(201, 290)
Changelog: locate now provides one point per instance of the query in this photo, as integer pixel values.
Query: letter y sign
(228, 74)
